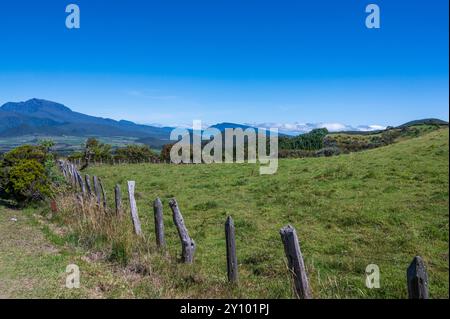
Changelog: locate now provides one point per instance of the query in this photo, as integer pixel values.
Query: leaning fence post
(133, 208)
(417, 278)
(80, 181)
(97, 190)
(87, 179)
(103, 193)
(118, 199)
(187, 243)
(74, 175)
(232, 265)
(159, 223)
(295, 262)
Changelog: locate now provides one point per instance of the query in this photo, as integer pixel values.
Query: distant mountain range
(46, 118)
(41, 117)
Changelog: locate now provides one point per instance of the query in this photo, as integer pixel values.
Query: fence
(416, 274)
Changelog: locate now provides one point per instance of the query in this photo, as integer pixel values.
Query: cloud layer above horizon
(301, 128)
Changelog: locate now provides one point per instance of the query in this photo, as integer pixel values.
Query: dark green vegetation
(309, 141)
(27, 173)
(381, 206)
(96, 151)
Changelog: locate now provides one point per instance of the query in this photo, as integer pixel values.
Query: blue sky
(246, 61)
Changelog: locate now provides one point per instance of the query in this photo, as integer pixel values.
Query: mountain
(43, 117)
(425, 122)
(222, 126)
(47, 118)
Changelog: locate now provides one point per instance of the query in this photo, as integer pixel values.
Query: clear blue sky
(247, 61)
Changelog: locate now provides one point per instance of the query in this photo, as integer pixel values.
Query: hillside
(381, 206)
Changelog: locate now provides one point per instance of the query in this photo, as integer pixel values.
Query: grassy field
(382, 206)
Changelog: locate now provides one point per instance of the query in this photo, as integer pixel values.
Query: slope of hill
(381, 206)
(431, 122)
(425, 122)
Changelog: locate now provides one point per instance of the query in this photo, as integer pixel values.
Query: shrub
(135, 153)
(165, 152)
(27, 181)
(25, 152)
(26, 173)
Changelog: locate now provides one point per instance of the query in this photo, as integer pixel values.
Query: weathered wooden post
(97, 190)
(295, 262)
(63, 169)
(103, 193)
(133, 208)
(73, 175)
(118, 200)
(87, 179)
(69, 173)
(159, 223)
(187, 243)
(417, 278)
(232, 265)
(81, 183)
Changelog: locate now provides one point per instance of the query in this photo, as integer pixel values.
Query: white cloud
(301, 128)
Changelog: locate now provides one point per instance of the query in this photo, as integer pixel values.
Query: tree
(94, 150)
(135, 153)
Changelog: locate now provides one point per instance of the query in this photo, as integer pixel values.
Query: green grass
(382, 206)
(33, 261)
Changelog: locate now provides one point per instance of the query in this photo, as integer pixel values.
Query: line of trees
(311, 141)
(94, 150)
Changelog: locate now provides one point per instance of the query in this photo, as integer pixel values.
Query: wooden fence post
(74, 175)
(417, 278)
(159, 223)
(187, 243)
(81, 183)
(295, 262)
(118, 199)
(133, 208)
(103, 193)
(232, 265)
(97, 190)
(87, 179)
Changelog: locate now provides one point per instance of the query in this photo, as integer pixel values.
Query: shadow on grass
(8, 204)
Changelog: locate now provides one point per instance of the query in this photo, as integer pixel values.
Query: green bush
(27, 181)
(26, 173)
(135, 153)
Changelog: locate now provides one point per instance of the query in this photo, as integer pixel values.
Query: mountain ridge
(43, 117)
